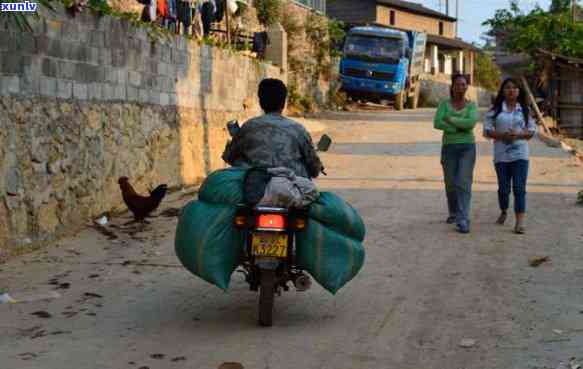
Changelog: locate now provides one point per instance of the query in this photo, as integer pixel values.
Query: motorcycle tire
(266, 297)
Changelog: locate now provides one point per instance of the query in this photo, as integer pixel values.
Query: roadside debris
(557, 331)
(69, 314)
(27, 355)
(467, 343)
(92, 295)
(42, 314)
(171, 212)
(102, 221)
(22, 297)
(6, 299)
(104, 231)
(571, 365)
(535, 261)
(231, 366)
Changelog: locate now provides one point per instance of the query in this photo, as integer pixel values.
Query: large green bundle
(208, 245)
(206, 242)
(331, 257)
(335, 213)
(224, 186)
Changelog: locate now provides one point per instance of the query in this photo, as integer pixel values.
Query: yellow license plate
(267, 244)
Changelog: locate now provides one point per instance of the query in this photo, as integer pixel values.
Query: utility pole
(574, 11)
(447, 7)
(457, 17)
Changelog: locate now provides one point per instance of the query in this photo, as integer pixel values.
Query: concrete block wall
(88, 99)
(435, 88)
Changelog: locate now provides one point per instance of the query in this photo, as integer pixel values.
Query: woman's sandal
(519, 229)
(502, 218)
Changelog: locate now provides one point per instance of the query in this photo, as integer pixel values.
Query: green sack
(330, 257)
(332, 211)
(206, 242)
(224, 186)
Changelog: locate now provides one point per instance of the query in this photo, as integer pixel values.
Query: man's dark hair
(272, 95)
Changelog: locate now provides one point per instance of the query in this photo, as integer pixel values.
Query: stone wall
(88, 99)
(302, 61)
(435, 88)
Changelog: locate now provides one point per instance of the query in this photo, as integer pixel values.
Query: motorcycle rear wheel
(266, 297)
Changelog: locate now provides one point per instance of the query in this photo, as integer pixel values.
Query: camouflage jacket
(272, 141)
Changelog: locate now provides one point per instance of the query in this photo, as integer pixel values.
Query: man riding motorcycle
(272, 140)
(258, 217)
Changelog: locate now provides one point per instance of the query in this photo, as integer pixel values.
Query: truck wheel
(413, 101)
(266, 297)
(400, 101)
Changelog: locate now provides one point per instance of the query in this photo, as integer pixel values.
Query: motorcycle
(268, 262)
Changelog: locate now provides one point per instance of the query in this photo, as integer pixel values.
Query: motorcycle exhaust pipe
(302, 283)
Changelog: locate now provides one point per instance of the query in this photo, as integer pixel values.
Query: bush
(307, 103)
(268, 11)
(294, 29)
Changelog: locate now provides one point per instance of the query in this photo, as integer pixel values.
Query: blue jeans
(458, 161)
(513, 176)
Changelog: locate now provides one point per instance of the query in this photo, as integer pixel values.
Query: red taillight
(271, 221)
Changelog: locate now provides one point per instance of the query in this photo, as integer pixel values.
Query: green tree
(486, 72)
(559, 6)
(539, 29)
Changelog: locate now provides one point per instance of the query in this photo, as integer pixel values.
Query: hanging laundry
(162, 9)
(184, 14)
(219, 10)
(260, 42)
(208, 16)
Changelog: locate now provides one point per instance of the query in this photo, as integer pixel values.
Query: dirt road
(424, 288)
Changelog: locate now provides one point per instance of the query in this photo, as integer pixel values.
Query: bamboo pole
(534, 105)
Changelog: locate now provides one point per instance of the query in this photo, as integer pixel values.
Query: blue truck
(381, 64)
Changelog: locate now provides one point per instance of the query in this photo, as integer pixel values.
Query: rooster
(141, 206)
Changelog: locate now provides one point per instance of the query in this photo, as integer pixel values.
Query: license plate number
(266, 244)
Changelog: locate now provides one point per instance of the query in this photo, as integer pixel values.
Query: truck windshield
(370, 48)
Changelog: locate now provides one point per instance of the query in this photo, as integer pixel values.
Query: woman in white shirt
(510, 125)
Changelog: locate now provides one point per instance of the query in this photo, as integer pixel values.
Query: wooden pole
(226, 7)
(534, 105)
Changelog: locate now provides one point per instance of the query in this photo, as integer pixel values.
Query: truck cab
(380, 63)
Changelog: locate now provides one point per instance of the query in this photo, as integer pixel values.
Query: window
(319, 5)
(392, 18)
(441, 28)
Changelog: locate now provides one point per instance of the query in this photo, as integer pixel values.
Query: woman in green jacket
(457, 117)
